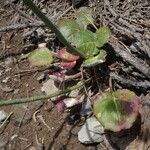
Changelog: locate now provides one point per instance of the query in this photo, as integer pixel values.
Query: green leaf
(102, 35)
(87, 44)
(40, 57)
(93, 61)
(85, 41)
(84, 17)
(117, 110)
(70, 30)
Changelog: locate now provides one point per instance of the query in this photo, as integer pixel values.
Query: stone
(86, 109)
(91, 132)
(49, 87)
(3, 115)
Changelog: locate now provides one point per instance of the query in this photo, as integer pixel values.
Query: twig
(136, 62)
(41, 97)
(43, 121)
(21, 26)
(6, 120)
(142, 84)
(31, 25)
(21, 13)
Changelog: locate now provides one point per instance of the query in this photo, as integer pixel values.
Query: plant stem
(41, 97)
(54, 29)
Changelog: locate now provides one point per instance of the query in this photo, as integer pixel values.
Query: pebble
(49, 87)
(91, 132)
(3, 115)
(86, 109)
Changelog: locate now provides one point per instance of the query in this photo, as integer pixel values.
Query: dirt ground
(21, 135)
(31, 124)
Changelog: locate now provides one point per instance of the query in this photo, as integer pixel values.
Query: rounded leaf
(40, 57)
(69, 29)
(67, 65)
(93, 61)
(117, 110)
(102, 35)
(84, 17)
(64, 55)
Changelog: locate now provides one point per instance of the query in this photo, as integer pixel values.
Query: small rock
(3, 115)
(49, 87)
(41, 77)
(91, 132)
(86, 109)
(6, 89)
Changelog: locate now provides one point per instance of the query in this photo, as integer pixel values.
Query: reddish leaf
(60, 106)
(64, 55)
(67, 65)
(117, 110)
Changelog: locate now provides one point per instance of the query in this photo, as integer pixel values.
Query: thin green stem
(53, 28)
(41, 97)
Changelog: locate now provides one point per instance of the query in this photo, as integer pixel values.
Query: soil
(25, 125)
(58, 135)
